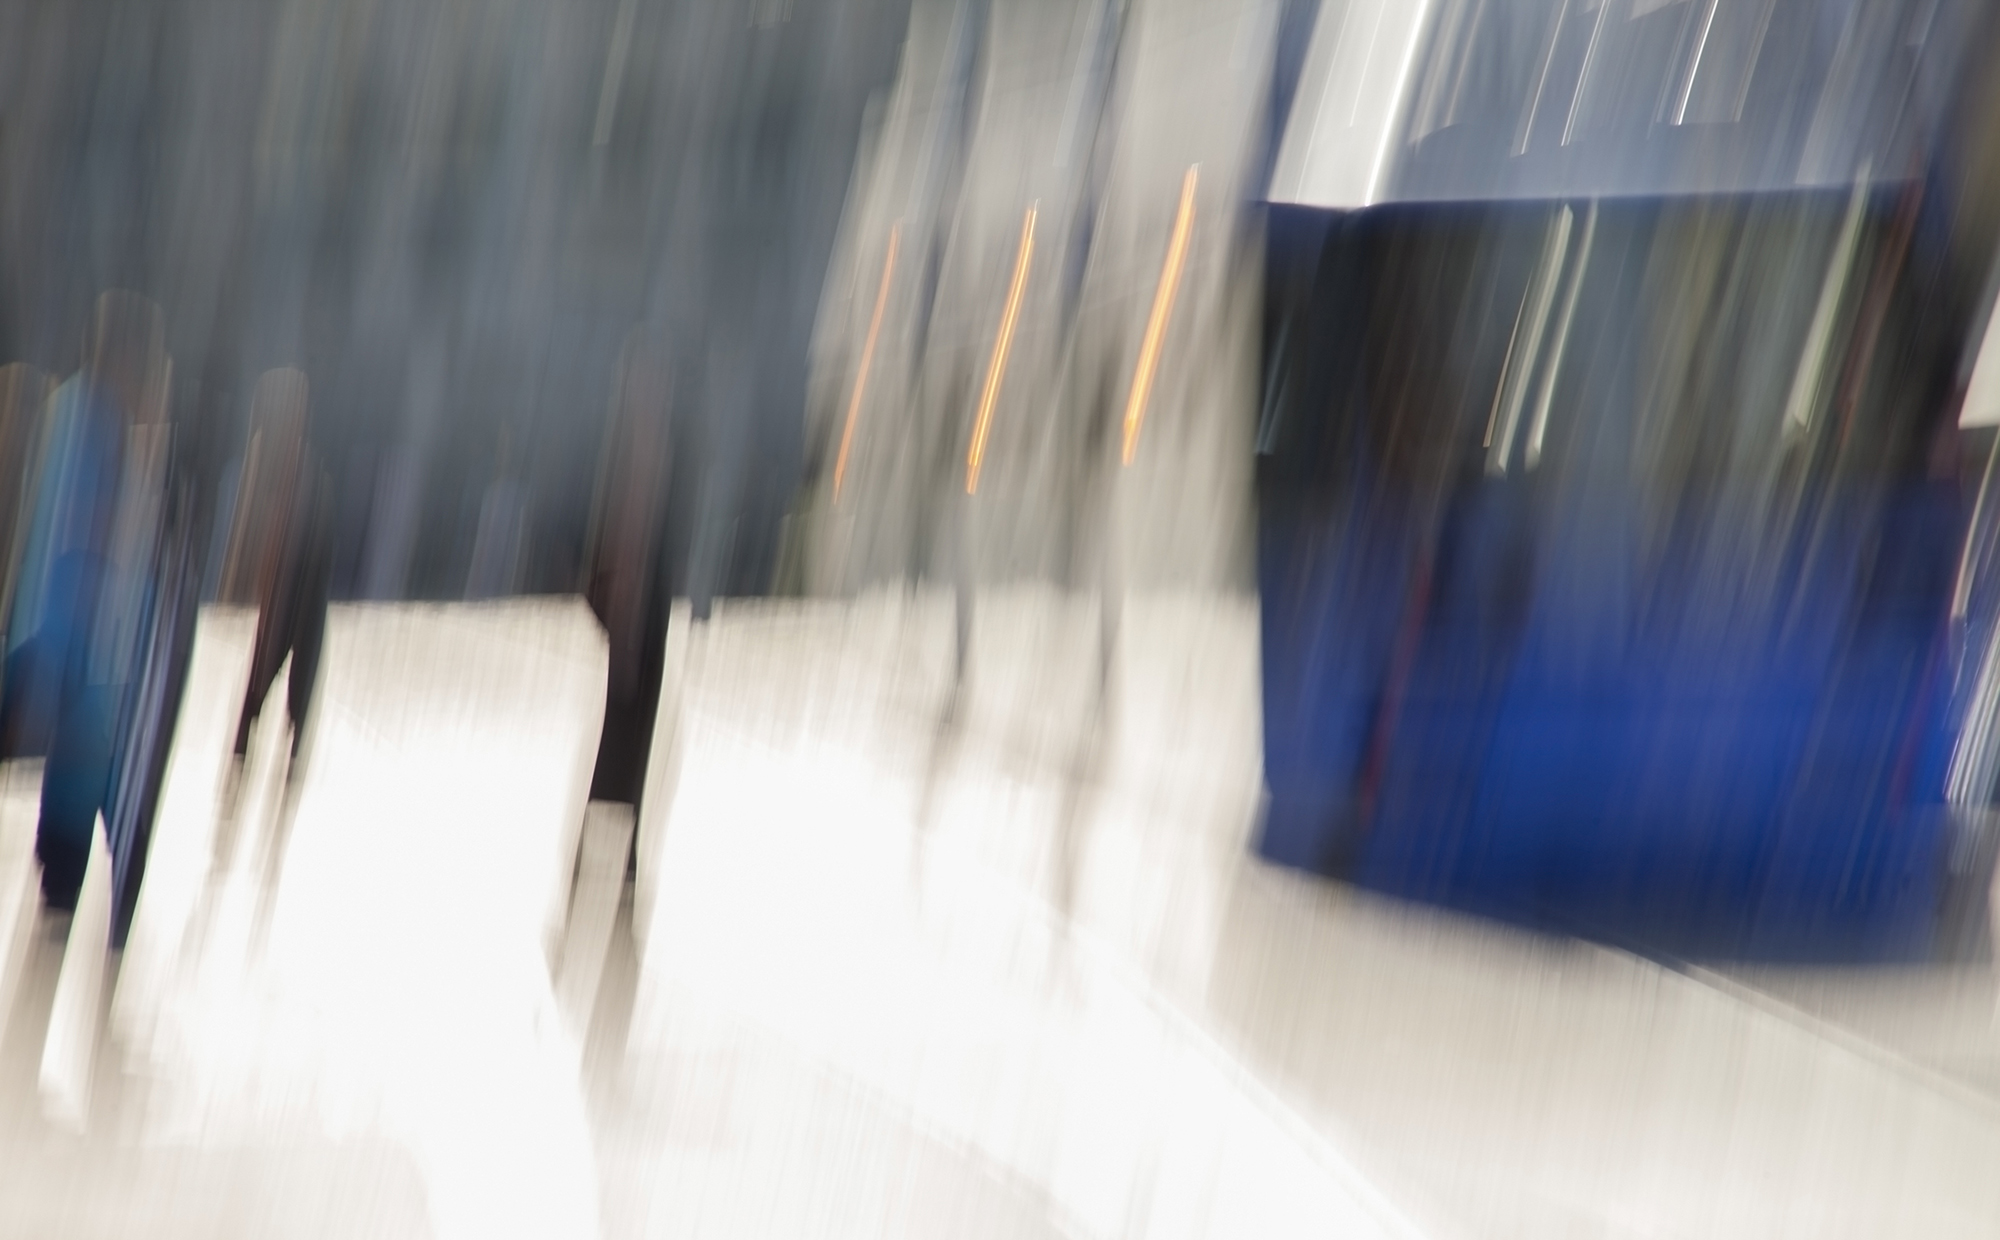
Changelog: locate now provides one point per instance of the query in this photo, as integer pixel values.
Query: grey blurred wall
(450, 213)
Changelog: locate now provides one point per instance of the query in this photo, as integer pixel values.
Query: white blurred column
(1336, 151)
(593, 913)
(662, 785)
(426, 877)
(179, 855)
(69, 1054)
(20, 903)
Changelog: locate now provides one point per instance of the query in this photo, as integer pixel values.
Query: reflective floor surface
(896, 963)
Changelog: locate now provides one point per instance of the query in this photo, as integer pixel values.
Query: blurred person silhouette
(72, 607)
(625, 586)
(278, 552)
(24, 399)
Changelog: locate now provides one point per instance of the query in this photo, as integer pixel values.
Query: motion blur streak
(1156, 323)
(1005, 619)
(867, 360)
(1003, 341)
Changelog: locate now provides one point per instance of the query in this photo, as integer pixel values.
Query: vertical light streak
(614, 73)
(1163, 306)
(1541, 83)
(1419, 22)
(1806, 380)
(867, 359)
(1538, 426)
(997, 367)
(1694, 65)
(1583, 74)
(1519, 368)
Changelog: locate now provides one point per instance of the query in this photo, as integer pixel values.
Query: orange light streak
(1156, 325)
(867, 359)
(1001, 343)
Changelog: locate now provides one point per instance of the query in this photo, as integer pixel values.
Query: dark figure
(278, 555)
(24, 402)
(626, 588)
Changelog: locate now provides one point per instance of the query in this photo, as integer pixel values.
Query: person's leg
(74, 782)
(1110, 571)
(958, 551)
(132, 819)
(646, 704)
(630, 709)
(616, 776)
(77, 773)
(266, 657)
(961, 629)
(1097, 513)
(308, 623)
(308, 635)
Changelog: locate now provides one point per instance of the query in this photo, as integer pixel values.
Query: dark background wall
(450, 213)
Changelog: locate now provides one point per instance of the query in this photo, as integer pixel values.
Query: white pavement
(1017, 980)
